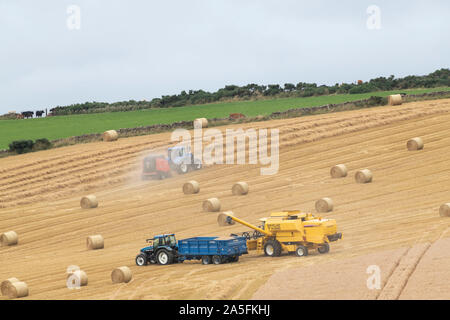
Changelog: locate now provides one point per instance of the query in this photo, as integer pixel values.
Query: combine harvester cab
(288, 231)
(165, 250)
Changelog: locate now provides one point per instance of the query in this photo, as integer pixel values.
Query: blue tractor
(182, 160)
(164, 249)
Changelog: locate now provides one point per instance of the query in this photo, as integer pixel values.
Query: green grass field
(74, 125)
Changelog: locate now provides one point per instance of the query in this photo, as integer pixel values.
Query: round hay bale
(110, 135)
(338, 171)
(444, 210)
(78, 277)
(414, 144)
(89, 202)
(17, 290)
(240, 188)
(211, 205)
(222, 218)
(9, 238)
(191, 187)
(6, 283)
(363, 176)
(95, 242)
(324, 205)
(201, 121)
(395, 99)
(121, 275)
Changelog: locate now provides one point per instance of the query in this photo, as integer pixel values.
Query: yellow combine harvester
(288, 231)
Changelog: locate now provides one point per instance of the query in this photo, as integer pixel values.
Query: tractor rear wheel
(164, 257)
(324, 248)
(216, 259)
(272, 248)
(141, 259)
(301, 251)
(206, 260)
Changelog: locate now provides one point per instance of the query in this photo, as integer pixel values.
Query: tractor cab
(176, 154)
(165, 240)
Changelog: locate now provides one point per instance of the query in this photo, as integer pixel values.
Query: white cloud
(143, 49)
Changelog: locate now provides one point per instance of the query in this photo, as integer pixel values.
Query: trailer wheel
(164, 257)
(206, 260)
(272, 248)
(301, 251)
(216, 259)
(324, 248)
(141, 259)
(235, 259)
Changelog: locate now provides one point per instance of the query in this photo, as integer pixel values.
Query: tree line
(438, 78)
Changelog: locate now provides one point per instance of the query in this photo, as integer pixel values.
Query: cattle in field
(39, 113)
(27, 114)
(234, 116)
(19, 116)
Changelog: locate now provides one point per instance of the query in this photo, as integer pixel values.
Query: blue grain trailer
(212, 249)
(164, 250)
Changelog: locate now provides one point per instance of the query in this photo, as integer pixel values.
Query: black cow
(27, 114)
(39, 113)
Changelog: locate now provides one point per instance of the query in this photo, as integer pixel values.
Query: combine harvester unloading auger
(287, 231)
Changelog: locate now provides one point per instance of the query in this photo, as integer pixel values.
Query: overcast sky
(141, 49)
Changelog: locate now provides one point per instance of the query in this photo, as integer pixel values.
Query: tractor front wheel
(272, 248)
(164, 257)
(301, 251)
(141, 260)
(324, 248)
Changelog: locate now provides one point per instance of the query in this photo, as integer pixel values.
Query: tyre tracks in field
(398, 279)
(93, 167)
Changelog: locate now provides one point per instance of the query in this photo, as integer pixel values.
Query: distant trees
(439, 78)
(24, 146)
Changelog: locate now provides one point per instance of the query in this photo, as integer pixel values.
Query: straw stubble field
(40, 199)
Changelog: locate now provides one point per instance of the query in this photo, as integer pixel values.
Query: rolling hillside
(40, 194)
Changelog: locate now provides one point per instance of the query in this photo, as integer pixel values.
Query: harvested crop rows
(40, 200)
